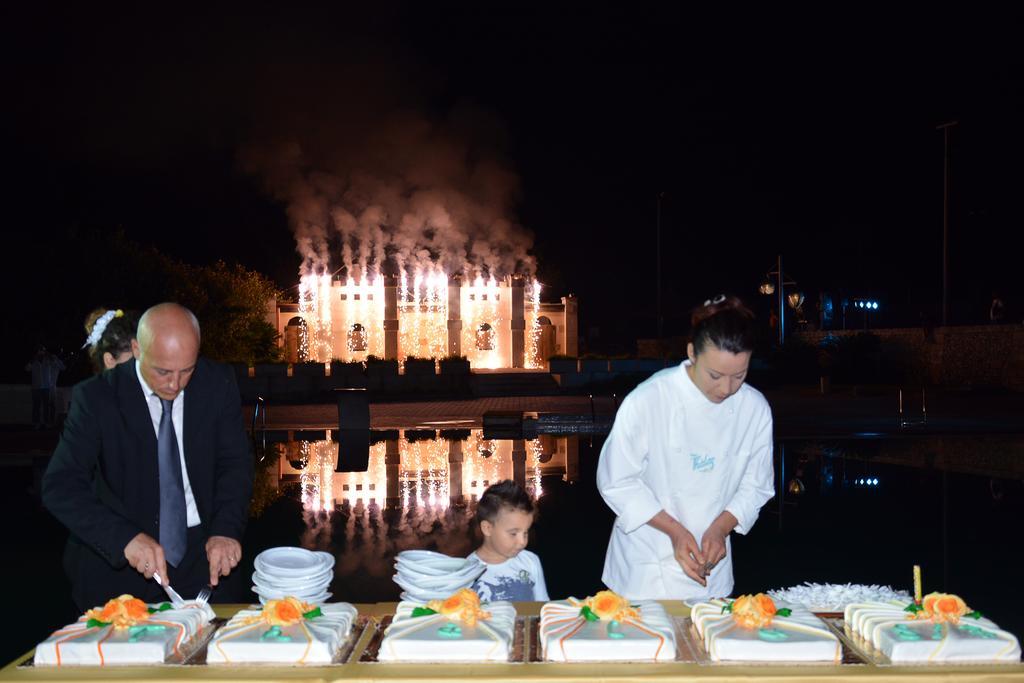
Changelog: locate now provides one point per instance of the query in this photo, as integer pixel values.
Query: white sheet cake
(125, 631)
(942, 629)
(304, 634)
(458, 629)
(606, 627)
(754, 628)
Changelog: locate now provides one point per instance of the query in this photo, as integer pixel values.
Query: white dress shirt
(178, 417)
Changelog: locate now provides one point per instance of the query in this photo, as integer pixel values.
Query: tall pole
(945, 221)
(658, 267)
(782, 305)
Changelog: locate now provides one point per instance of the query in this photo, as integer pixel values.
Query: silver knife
(176, 599)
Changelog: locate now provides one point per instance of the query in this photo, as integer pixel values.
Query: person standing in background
(45, 367)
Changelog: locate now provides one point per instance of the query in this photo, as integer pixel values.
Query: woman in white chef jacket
(688, 461)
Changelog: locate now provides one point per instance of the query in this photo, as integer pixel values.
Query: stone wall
(978, 355)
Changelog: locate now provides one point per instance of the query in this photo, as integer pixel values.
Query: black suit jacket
(103, 480)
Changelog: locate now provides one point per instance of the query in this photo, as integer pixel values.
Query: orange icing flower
(753, 611)
(463, 605)
(942, 607)
(285, 612)
(611, 605)
(123, 612)
(765, 604)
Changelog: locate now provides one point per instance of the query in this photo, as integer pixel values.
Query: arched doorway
(296, 347)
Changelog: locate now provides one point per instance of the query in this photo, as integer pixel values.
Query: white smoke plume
(418, 194)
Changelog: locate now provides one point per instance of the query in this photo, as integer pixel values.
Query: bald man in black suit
(151, 476)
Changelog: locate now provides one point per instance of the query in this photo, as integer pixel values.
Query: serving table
(22, 670)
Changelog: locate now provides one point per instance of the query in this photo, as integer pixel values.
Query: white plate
(289, 581)
(452, 568)
(450, 584)
(320, 599)
(292, 562)
(447, 564)
(307, 596)
(326, 558)
(444, 590)
(297, 592)
(422, 598)
(418, 555)
(468, 568)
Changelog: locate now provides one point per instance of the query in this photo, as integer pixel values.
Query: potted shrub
(454, 365)
(593, 363)
(562, 365)
(419, 366)
(271, 369)
(381, 373)
(308, 369)
(341, 368)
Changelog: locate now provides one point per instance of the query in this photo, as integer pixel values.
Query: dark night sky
(812, 135)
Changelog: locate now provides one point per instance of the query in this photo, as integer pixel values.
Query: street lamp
(661, 319)
(945, 128)
(768, 287)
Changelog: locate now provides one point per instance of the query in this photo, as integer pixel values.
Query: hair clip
(100, 326)
(717, 300)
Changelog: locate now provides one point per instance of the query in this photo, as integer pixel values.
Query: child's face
(508, 533)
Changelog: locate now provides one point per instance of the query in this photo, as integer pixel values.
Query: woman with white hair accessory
(110, 337)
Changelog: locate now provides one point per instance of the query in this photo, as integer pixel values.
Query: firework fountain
(346, 319)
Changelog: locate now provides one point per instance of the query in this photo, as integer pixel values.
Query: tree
(102, 267)
(231, 304)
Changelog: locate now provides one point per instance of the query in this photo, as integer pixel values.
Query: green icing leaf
(423, 611)
(976, 631)
(137, 632)
(96, 623)
(588, 614)
(772, 635)
(313, 613)
(784, 612)
(727, 607)
(974, 615)
(274, 634)
(162, 607)
(450, 631)
(904, 632)
(913, 608)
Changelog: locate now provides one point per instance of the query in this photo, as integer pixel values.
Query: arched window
(357, 338)
(485, 337)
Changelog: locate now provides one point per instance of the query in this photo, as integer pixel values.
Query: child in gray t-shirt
(505, 514)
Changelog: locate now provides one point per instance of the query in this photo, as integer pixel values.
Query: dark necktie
(173, 523)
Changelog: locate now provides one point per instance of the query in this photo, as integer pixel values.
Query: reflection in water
(417, 491)
(425, 474)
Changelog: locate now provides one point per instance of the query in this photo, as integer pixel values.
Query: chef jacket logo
(702, 463)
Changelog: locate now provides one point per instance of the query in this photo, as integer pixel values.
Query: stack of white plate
(295, 572)
(425, 575)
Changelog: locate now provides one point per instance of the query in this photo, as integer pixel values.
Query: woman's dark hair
(724, 322)
(504, 495)
(116, 338)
